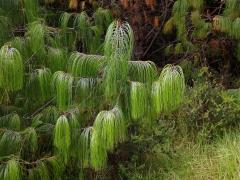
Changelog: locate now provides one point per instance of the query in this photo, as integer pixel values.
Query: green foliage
(56, 168)
(84, 147)
(62, 137)
(5, 4)
(10, 121)
(30, 138)
(221, 113)
(36, 33)
(138, 100)
(5, 25)
(109, 127)
(197, 4)
(90, 34)
(170, 89)
(142, 71)
(40, 172)
(62, 83)
(82, 65)
(31, 10)
(201, 27)
(108, 130)
(10, 142)
(12, 170)
(98, 152)
(66, 35)
(48, 115)
(119, 41)
(56, 59)
(64, 20)
(117, 50)
(86, 92)
(11, 69)
(179, 12)
(53, 142)
(218, 160)
(234, 30)
(232, 9)
(44, 79)
(103, 18)
(22, 45)
(82, 24)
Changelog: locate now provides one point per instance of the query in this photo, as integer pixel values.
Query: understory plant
(62, 111)
(85, 107)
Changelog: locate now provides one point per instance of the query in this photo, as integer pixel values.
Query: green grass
(218, 160)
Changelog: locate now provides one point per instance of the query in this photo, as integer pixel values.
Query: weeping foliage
(36, 33)
(102, 18)
(74, 125)
(232, 9)
(22, 45)
(82, 25)
(108, 130)
(98, 152)
(11, 69)
(10, 121)
(96, 34)
(80, 86)
(30, 138)
(64, 20)
(56, 59)
(179, 20)
(86, 92)
(168, 92)
(62, 137)
(227, 25)
(156, 97)
(55, 168)
(86, 31)
(39, 172)
(31, 9)
(67, 36)
(62, 84)
(230, 22)
(110, 127)
(180, 8)
(47, 116)
(234, 32)
(10, 142)
(169, 26)
(82, 65)
(196, 4)
(84, 147)
(12, 170)
(90, 33)
(201, 27)
(178, 49)
(223, 24)
(138, 95)
(44, 79)
(5, 25)
(142, 71)
(119, 41)
(117, 50)
(7, 4)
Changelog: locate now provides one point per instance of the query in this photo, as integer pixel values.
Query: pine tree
(75, 108)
